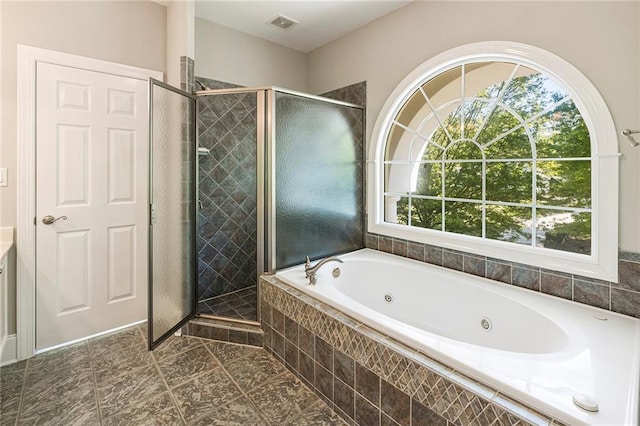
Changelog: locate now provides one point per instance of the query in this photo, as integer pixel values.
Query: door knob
(48, 219)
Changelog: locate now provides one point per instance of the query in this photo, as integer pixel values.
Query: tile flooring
(240, 304)
(114, 380)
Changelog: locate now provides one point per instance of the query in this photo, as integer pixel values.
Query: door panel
(92, 152)
(73, 271)
(172, 282)
(121, 278)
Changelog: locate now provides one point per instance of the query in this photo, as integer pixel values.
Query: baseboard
(9, 350)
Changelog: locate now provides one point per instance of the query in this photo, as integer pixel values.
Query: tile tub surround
(114, 380)
(622, 297)
(369, 378)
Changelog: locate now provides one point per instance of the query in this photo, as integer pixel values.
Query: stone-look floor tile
(12, 375)
(187, 365)
(240, 412)
(67, 357)
(111, 364)
(118, 341)
(227, 352)
(9, 403)
(144, 329)
(282, 398)
(79, 417)
(204, 393)
(175, 345)
(7, 419)
(60, 405)
(317, 414)
(254, 369)
(42, 384)
(125, 390)
(159, 410)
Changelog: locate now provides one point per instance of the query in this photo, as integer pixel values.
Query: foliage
(500, 129)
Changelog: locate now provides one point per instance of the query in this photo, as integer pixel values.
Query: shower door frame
(265, 172)
(262, 120)
(270, 195)
(152, 344)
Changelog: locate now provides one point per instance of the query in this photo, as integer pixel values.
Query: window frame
(602, 263)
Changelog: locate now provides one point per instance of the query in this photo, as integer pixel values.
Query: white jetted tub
(538, 349)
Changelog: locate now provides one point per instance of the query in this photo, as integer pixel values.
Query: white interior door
(92, 178)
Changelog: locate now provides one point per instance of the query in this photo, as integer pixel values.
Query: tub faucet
(310, 271)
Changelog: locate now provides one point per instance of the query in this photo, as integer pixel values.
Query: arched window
(500, 149)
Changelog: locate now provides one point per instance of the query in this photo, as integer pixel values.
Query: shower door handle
(48, 219)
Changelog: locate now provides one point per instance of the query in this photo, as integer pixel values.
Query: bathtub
(535, 348)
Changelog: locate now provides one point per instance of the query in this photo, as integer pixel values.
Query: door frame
(28, 57)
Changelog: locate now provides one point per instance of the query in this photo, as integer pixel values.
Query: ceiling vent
(282, 22)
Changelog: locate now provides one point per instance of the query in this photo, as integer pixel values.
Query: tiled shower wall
(227, 233)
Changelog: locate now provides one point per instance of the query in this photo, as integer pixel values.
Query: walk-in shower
(282, 180)
(279, 177)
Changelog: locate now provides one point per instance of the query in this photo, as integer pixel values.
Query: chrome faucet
(310, 271)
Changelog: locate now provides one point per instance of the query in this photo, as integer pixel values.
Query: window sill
(605, 268)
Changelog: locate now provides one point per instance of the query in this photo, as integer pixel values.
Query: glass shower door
(173, 163)
(317, 148)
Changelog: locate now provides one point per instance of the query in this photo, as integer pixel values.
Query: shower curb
(225, 331)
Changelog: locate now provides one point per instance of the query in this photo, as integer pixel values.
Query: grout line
(242, 391)
(168, 390)
(24, 385)
(95, 386)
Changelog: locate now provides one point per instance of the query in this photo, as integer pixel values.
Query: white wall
(602, 39)
(234, 57)
(131, 33)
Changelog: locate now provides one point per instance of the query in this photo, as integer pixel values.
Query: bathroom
(600, 39)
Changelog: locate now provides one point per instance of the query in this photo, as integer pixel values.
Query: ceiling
(319, 21)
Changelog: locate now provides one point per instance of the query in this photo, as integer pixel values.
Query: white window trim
(603, 261)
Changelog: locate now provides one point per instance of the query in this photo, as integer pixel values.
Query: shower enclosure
(280, 177)
(282, 180)
(172, 218)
